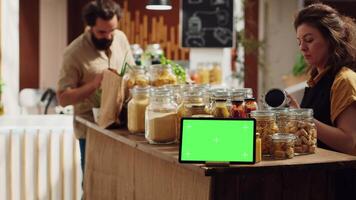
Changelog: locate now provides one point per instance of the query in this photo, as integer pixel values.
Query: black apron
(318, 98)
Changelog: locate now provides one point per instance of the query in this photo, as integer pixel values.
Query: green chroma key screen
(217, 140)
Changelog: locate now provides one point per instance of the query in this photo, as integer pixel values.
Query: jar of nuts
(282, 146)
(265, 126)
(301, 124)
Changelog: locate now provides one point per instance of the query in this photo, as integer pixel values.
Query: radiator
(39, 158)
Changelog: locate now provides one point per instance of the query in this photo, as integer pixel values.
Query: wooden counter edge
(322, 157)
(142, 146)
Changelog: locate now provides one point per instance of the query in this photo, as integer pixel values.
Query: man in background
(101, 46)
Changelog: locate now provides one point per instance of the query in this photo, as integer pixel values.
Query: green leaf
(300, 66)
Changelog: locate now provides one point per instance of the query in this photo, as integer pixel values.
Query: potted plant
(299, 72)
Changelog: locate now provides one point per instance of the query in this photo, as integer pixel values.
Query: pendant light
(159, 5)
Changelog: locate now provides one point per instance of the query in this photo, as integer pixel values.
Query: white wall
(10, 54)
(276, 29)
(53, 40)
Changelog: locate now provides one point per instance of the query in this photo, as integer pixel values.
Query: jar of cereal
(160, 75)
(136, 76)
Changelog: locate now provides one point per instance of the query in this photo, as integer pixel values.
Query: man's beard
(101, 44)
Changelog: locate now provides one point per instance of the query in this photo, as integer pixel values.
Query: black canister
(276, 98)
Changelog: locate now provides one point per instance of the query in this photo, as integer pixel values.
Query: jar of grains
(161, 117)
(136, 107)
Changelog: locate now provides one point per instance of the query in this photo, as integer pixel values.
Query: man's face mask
(101, 44)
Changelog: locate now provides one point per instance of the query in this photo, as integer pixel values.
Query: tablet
(217, 140)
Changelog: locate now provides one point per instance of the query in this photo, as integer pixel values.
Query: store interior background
(34, 34)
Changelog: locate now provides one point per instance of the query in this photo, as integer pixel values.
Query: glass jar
(152, 55)
(203, 72)
(215, 74)
(221, 104)
(237, 104)
(301, 124)
(282, 146)
(265, 126)
(258, 156)
(161, 117)
(192, 105)
(177, 92)
(250, 101)
(160, 75)
(282, 117)
(136, 107)
(137, 53)
(136, 76)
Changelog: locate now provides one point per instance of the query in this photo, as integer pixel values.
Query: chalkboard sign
(207, 23)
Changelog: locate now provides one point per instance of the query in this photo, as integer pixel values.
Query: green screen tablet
(205, 140)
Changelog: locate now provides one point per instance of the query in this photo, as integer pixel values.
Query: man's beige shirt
(82, 61)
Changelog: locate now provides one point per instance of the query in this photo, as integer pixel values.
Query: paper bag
(112, 98)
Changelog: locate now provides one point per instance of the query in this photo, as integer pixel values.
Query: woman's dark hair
(104, 9)
(338, 30)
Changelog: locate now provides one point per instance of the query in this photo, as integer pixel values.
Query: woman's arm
(342, 137)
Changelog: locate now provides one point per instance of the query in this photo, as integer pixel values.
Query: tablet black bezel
(213, 118)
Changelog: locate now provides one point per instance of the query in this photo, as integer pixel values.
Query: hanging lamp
(159, 5)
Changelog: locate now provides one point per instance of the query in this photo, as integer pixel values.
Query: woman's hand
(292, 102)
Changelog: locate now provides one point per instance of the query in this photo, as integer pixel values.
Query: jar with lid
(215, 74)
(301, 124)
(160, 75)
(282, 118)
(137, 53)
(192, 105)
(177, 91)
(237, 104)
(161, 117)
(250, 101)
(221, 103)
(282, 146)
(203, 72)
(265, 126)
(152, 54)
(136, 76)
(136, 107)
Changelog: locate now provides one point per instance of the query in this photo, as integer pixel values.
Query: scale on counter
(217, 141)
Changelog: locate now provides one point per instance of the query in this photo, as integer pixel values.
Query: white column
(10, 54)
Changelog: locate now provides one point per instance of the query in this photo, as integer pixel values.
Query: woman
(327, 41)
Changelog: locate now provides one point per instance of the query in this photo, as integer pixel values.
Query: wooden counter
(123, 166)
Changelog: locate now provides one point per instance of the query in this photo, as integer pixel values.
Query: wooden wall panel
(251, 58)
(140, 25)
(146, 26)
(29, 44)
